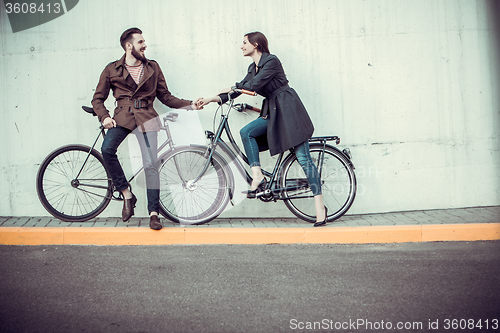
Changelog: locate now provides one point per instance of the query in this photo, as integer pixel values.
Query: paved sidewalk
(433, 217)
(480, 223)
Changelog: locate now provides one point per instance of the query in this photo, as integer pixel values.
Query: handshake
(201, 102)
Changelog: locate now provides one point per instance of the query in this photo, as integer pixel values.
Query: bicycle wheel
(185, 200)
(73, 185)
(338, 184)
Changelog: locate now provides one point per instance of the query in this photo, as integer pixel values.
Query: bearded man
(135, 81)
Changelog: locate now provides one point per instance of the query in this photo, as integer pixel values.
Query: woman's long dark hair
(259, 39)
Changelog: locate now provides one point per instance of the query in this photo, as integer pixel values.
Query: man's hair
(259, 39)
(127, 36)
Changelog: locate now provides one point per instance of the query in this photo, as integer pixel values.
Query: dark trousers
(148, 141)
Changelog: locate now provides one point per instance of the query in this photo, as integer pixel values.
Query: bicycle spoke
(338, 186)
(185, 200)
(68, 198)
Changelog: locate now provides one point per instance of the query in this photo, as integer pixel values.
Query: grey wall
(410, 86)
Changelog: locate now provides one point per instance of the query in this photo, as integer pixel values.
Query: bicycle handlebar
(249, 107)
(247, 92)
(244, 106)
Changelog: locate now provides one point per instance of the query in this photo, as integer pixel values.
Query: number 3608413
(32, 8)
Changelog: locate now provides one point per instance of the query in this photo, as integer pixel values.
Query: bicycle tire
(185, 202)
(338, 184)
(70, 199)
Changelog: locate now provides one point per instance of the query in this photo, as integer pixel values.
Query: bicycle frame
(216, 141)
(85, 196)
(168, 142)
(234, 154)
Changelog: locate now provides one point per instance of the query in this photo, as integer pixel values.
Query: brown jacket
(134, 103)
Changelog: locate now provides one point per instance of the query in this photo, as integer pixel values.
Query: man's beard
(138, 56)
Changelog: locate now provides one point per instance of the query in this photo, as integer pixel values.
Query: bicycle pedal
(262, 193)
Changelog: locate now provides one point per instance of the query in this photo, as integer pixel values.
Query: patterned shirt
(136, 72)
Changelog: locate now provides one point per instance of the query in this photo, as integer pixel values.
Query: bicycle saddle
(172, 117)
(89, 110)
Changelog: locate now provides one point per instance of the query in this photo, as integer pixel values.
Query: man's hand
(109, 123)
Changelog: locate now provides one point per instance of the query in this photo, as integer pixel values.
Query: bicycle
(287, 181)
(196, 181)
(74, 185)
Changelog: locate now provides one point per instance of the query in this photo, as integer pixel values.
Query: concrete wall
(410, 86)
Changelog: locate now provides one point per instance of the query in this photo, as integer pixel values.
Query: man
(135, 82)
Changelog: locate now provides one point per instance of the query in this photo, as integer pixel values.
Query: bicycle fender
(344, 155)
(319, 146)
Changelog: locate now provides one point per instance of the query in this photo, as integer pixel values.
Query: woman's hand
(200, 103)
(197, 105)
(205, 101)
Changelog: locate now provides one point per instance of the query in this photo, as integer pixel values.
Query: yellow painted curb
(204, 235)
(461, 232)
(31, 236)
(244, 235)
(365, 235)
(122, 236)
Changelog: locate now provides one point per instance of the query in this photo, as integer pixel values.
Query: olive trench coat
(134, 102)
(289, 124)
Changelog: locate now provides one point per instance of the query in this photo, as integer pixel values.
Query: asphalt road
(411, 287)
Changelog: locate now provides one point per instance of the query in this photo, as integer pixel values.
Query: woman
(283, 122)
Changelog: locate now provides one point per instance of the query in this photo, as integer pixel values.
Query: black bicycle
(74, 185)
(185, 171)
(196, 181)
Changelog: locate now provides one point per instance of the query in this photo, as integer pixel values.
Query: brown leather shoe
(154, 222)
(128, 208)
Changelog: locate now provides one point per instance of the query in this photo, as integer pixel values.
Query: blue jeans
(148, 141)
(257, 128)
(248, 134)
